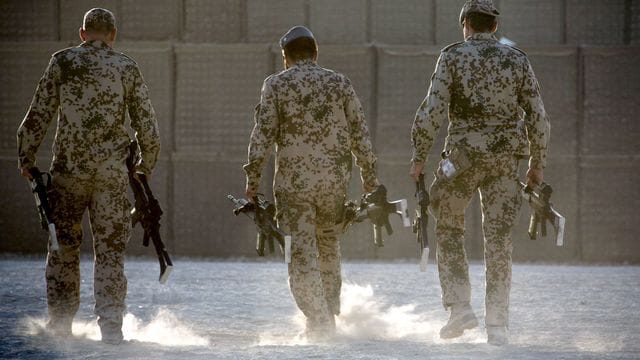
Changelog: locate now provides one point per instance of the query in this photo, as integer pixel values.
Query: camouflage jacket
(483, 85)
(315, 119)
(89, 87)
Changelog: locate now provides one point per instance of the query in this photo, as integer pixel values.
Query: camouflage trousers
(314, 272)
(494, 177)
(104, 195)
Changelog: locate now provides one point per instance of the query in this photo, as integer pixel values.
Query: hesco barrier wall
(205, 61)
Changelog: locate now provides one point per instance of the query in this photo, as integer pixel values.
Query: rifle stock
(147, 212)
(262, 212)
(542, 212)
(375, 207)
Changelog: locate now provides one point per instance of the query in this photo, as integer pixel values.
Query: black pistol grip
(145, 238)
(272, 247)
(387, 226)
(35, 172)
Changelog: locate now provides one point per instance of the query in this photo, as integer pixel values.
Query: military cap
(99, 19)
(478, 6)
(295, 32)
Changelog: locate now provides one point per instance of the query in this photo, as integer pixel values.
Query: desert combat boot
(461, 318)
(497, 335)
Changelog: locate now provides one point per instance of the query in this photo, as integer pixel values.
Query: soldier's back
(313, 133)
(94, 81)
(93, 66)
(486, 81)
(310, 99)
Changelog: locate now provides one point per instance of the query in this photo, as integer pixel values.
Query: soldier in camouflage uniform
(315, 119)
(90, 87)
(482, 85)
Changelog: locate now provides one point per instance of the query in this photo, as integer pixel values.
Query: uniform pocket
(454, 162)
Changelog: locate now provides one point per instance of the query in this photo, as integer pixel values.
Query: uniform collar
(99, 44)
(482, 36)
(305, 62)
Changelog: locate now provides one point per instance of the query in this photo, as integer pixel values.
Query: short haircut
(98, 20)
(301, 49)
(481, 22)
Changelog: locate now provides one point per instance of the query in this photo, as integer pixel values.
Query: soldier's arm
(41, 112)
(263, 135)
(432, 112)
(536, 120)
(360, 138)
(143, 121)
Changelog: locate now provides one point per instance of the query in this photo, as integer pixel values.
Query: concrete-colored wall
(205, 61)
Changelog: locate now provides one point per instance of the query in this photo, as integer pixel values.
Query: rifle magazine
(533, 226)
(287, 249)
(260, 244)
(424, 259)
(164, 275)
(166, 266)
(559, 227)
(54, 238)
(402, 210)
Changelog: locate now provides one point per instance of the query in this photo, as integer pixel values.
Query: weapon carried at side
(147, 212)
(39, 189)
(262, 212)
(421, 221)
(375, 207)
(542, 211)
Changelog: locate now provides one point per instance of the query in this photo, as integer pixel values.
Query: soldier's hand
(250, 193)
(368, 188)
(137, 174)
(416, 170)
(534, 176)
(25, 172)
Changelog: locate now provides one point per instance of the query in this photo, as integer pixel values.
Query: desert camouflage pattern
(478, 6)
(482, 86)
(90, 88)
(317, 122)
(314, 272)
(104, 195)
(494, 177)
(314, 118)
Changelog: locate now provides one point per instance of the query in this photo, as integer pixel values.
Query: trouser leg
(500, 202)
(297, 217)
(68, 202)
(329, 206)
(111, 227)
(330, 271)
(449, 200)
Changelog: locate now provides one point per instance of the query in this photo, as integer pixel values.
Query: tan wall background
(204, 61)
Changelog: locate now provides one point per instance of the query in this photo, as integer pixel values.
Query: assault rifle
(375, 207)
(542, 211)
(147, 212)
(262, 212)
(39, 189)
(421, 221)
